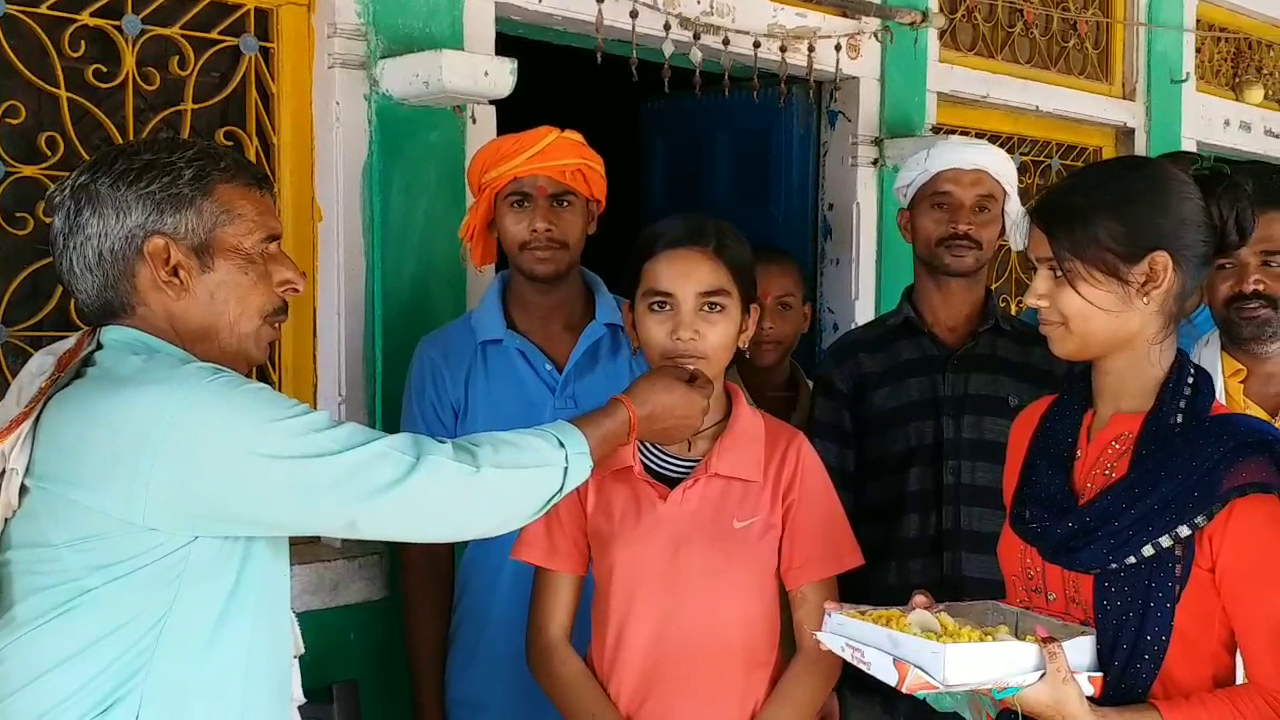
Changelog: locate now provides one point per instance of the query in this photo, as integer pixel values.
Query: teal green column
(904, 78)
(414, 202)
(1166, 81)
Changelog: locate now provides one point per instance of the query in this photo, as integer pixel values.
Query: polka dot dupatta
(1137, 537)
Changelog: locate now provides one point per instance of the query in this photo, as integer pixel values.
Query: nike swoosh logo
(739, 524)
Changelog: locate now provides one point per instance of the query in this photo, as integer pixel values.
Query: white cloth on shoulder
(44, 374)
(964, 153)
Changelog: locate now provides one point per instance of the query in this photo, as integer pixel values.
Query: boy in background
(766, 372)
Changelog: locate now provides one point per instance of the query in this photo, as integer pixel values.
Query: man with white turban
(911, 412)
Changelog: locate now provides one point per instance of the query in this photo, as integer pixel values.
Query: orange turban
(562, 155)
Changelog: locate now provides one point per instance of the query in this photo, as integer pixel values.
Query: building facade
(371, 180)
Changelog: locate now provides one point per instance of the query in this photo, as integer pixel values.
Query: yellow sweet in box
(937, 626)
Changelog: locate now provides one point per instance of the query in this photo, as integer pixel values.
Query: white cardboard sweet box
(916, 665)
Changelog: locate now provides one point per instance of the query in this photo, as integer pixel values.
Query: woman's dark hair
(1110, 215)
(699, 232)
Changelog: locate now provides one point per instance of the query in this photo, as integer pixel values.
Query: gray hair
(105, 210)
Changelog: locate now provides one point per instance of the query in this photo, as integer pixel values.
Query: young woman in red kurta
(1137, 505)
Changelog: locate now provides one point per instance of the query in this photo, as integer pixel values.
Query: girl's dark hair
(699, 232)
(1112, 214)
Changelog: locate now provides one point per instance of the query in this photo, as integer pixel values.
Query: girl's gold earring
(1146, 299)
(746, 352)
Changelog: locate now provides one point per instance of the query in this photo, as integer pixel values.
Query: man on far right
(1243, 293)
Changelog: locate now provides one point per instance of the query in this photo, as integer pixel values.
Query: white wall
(323, 576)
(479, 35)
(848, 207)
(1189, 76)
(341, 142)
(1234, 128)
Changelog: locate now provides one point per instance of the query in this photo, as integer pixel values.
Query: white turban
(964, 153)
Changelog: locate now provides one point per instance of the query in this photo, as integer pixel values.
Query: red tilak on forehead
(541, 190)
(765, 298)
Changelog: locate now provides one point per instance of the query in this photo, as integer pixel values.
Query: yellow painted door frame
(1004, 122)
(295, 187)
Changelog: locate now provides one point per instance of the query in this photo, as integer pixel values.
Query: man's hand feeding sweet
(671, 403)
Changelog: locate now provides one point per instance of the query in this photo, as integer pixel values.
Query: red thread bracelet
(633, 423)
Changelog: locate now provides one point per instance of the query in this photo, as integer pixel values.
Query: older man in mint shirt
(145, 575)
(547, 341)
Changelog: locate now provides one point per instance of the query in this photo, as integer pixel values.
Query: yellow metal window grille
(1073, 43)
(1045, 150)
(79, 75)
(1232, 50)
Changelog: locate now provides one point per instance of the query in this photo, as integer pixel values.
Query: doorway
(742, 156)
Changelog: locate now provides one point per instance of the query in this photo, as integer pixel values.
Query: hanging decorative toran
(851, 42)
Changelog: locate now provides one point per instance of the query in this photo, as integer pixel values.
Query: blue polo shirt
(1199, 324)
(474, 375)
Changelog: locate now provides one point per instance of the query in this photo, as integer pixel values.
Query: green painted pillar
(904, 77)
(414, 202)
(1166, 82)
(364, 643)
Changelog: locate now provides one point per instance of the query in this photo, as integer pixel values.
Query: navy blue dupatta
(1137, 537)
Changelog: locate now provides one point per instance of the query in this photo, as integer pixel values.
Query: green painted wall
(414, 202)
(362, 643)
(1165, 76)
(903, 109)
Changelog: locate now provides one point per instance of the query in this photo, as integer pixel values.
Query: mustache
(280, 314)
(958, 237)
(543, 244)
(1241, 298)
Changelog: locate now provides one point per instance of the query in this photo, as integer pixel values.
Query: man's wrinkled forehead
(245, 214)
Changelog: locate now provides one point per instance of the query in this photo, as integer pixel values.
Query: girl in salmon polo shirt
(688, 543)
(1137, 504)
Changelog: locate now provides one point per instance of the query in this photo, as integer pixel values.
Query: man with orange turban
(546, 341)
